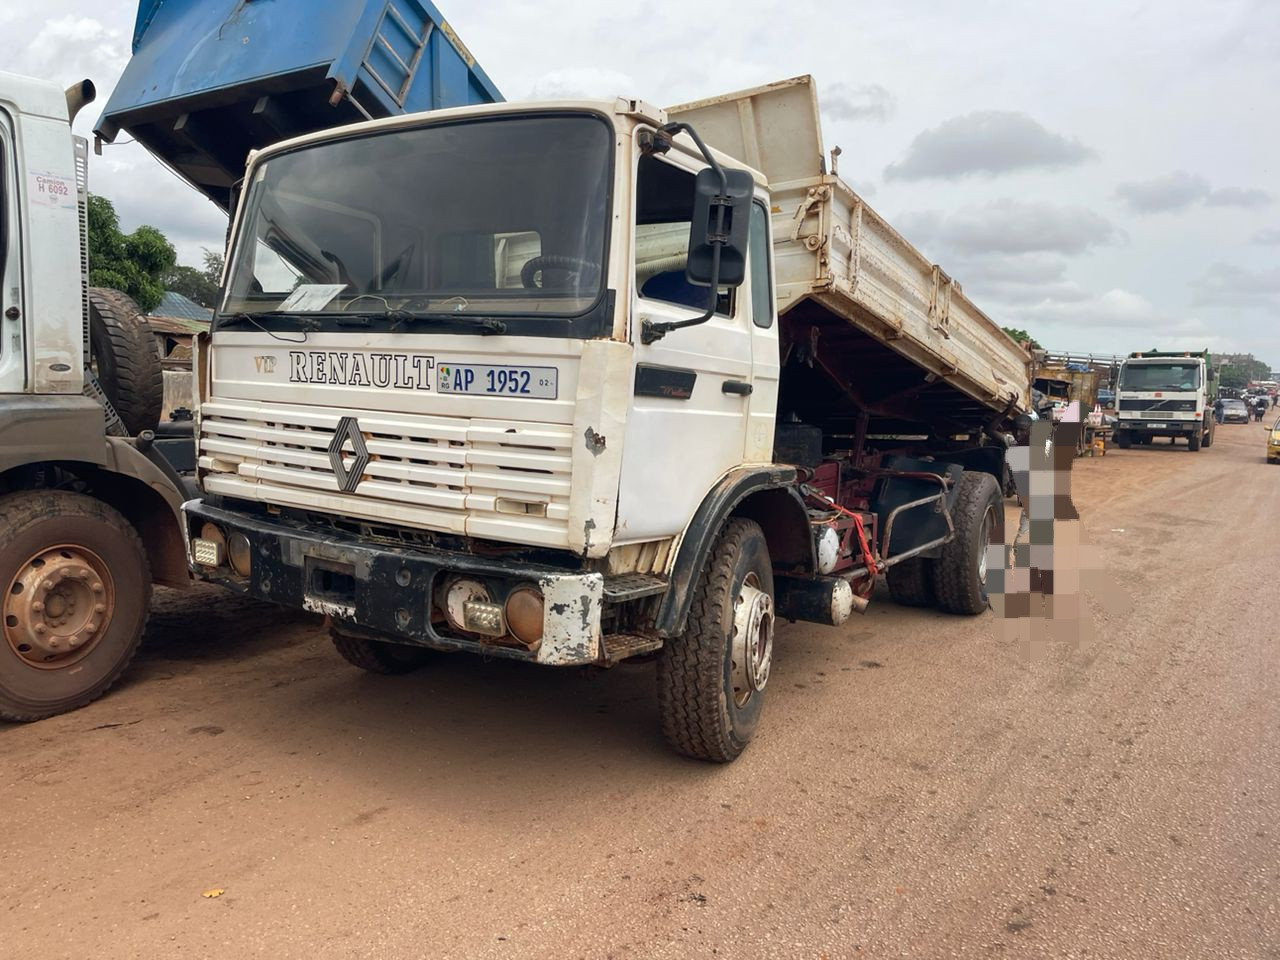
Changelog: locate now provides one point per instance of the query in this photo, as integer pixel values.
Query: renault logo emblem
(348, 477)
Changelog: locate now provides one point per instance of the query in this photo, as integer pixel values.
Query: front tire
(1123, 440)
(1193, 442)
(77, 588)
(911, 582)
(378, 656)
(711, 678)
(960, 574)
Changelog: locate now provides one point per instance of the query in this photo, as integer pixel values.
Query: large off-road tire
(125, 359)
(378, 656)
(960, 574)
(711, 678)
(911, 582)
(77, 588)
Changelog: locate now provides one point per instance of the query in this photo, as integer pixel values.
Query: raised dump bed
(211, 80)
(890, 329)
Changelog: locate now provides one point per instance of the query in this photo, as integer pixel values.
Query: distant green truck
(1166, 394)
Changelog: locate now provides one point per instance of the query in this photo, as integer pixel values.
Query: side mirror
(720, 220)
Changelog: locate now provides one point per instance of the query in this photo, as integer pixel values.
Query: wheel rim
(984, 541)
(58, 606)
(752, 644)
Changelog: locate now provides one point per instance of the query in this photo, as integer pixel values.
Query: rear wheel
(711, 679)
(378, 656)
(1208, 435)
(911, 582)
(960, 574)
(76, 592)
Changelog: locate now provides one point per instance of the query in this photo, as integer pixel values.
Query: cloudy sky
(1102, 173)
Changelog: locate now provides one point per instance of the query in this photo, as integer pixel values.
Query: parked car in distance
(1106, 398)
(1273, 443)
(1234, 411)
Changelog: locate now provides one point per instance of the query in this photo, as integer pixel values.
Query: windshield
(1160, 376)
(497, 216)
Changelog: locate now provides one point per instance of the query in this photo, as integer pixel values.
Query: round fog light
(240, 554)
(524, 611)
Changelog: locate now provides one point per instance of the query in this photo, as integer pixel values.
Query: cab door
(12, 364)
(693, 390)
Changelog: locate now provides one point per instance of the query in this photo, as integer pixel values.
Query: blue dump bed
(211, 80)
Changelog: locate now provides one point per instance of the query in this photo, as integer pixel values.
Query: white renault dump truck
(89, 502)
(579, 382)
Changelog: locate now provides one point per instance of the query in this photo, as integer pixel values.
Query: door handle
(740, 387)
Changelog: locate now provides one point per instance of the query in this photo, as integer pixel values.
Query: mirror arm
(651, 332)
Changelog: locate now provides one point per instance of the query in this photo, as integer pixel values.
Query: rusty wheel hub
(58, 606)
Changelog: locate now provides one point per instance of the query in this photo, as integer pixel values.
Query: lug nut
(99, 608)
(38, 607)
(41, 628)
(96, 587)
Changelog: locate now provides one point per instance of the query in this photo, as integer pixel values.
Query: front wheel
(960, 574)
(1123, 440)
(1193, 442)
(711, 678)
(76, 593)
(378, 656)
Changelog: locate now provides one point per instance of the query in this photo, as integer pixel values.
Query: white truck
(1166, 394)
(562, 383)
(89, 506)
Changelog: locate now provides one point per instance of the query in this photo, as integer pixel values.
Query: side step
(620, 646)
(633, 586)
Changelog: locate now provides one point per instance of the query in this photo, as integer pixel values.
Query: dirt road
(919, 788)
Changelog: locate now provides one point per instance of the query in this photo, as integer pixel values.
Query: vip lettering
(400, 370)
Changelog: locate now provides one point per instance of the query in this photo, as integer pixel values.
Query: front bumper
(1156, 427)
(388, 591)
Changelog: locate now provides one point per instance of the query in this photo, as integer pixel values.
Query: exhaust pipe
(79, 95)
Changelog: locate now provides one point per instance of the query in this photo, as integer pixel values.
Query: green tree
(200, 284)
(1021, 336)
(135, 263)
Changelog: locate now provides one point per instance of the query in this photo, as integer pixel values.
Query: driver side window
(664, 215)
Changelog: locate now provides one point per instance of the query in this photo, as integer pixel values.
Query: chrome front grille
(505, 480)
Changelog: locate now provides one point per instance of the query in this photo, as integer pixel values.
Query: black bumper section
(388, 590)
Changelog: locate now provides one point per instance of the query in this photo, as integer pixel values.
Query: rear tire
(126, 359)
(378, 656)
(711, 678)
(911, 582)
(960, 574)
(77, 587)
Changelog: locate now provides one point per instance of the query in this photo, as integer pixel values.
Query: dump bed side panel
(832, 249)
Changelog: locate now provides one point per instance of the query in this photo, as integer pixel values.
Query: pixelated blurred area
(1037, 580)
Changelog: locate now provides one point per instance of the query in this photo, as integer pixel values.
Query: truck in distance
(1166, 394)
(571, 383)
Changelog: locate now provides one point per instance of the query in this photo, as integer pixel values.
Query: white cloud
(1011, 227)
(844, 101)
(1268, 237)
(570, 83)
(1229, 285)
(1238, 197)
(1173, 191)
(990, 142)
(1180, 190)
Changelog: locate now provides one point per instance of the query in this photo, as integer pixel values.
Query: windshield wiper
(487, 325)
(255, 319)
